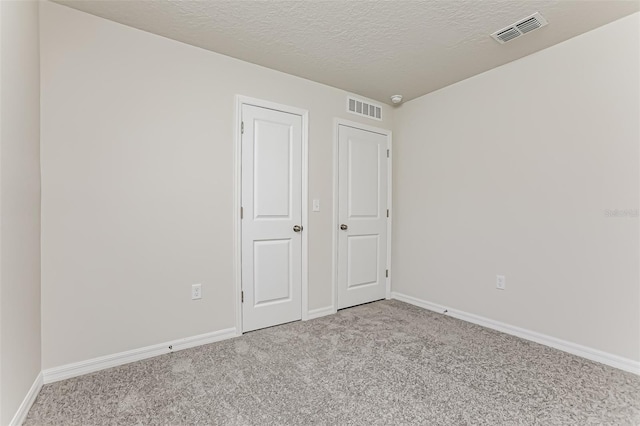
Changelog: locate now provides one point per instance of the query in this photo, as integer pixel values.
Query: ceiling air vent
(523, 26)
(364, 108)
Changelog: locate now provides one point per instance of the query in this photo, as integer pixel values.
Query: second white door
(272, 216)
(362, 215)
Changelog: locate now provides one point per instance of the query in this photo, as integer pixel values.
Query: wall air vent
(523, 26)
(364, 108)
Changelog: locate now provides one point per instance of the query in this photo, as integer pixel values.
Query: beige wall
(19, 204)
(137, 166)
(511, 172)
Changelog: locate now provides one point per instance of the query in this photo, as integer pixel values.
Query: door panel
(364, 165)
(362, 260)
(362, 208)
(272, 280)
(272, 205)
(272, 169)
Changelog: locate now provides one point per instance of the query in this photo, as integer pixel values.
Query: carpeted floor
(384, 363)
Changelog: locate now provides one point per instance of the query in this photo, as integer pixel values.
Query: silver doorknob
(297, 228)
(344, 227)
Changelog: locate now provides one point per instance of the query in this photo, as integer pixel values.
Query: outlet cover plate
(500, 282)
(196, 291)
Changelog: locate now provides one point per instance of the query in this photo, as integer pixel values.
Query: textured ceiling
(372, 48)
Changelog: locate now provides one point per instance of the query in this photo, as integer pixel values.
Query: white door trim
(337, 122)
(237, 201)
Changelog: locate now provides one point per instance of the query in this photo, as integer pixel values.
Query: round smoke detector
(396, 99)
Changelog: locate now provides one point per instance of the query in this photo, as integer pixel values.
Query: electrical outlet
(196, 291)
(500, 282)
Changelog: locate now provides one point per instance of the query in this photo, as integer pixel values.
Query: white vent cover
(364, 108)
(523, 26)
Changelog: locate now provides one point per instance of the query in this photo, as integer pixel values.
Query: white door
(362, 215)
(272, 214)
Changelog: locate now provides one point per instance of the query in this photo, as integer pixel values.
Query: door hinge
(242, 297)
(387, 153)
(242, 128)
(387, 273)
(387, 212)
(241, 213)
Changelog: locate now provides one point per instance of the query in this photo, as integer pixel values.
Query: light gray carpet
(384, 363)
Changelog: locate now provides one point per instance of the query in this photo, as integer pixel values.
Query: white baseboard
(321, 312)
(563, 345)
(27, 402)
(96, 364)
(418, 302)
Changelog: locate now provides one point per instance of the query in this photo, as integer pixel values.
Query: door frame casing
(241, 100)
(337, 122)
